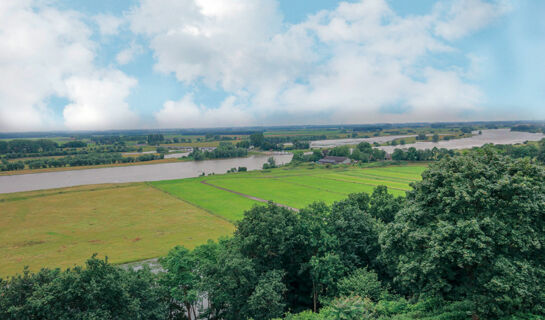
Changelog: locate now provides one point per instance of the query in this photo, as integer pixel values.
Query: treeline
(533, 128)
(71, 151)
(27, 146)
(463, 244)
(223, 151)
(412, 154)
(76, 161)
(258, 140)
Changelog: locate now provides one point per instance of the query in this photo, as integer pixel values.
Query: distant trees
(155, 139)
(435, 138)
(74, 144)
(224, 150)
(257, 139)
(412, 154)
(27, 146)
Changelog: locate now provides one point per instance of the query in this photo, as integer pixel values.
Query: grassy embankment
(137, 221)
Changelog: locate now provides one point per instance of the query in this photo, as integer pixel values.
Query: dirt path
(247, 195)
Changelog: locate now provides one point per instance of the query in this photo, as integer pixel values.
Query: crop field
(137, 221)
(128, 222)
(229, 195)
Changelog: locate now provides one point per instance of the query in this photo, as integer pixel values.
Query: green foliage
(98, 291)
(267, 300)
(257, 139)
(473, 229)
(362, 283)
(383, 205)
(180, 281)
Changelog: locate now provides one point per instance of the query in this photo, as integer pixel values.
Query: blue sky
(100, 64)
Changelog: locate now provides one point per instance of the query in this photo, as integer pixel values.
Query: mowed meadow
(137, 221)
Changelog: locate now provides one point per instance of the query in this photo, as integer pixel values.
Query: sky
(128, 64)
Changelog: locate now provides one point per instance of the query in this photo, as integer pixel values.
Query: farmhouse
(334, 160)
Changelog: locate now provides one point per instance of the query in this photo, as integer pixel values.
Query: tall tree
(474, 228)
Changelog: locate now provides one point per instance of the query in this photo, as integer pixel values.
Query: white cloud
(461, 17)
(185, 113)
(99, 101)
(108, 24)
(351, 64)
(127, 55)
(46, 52)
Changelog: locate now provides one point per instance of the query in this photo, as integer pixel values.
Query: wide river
(135, 173)
(495, 136)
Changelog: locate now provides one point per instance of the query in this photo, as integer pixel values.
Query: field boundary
(191, 203)
(248, 196)
(41, 195)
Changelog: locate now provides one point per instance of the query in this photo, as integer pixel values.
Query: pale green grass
(63, 227)
(224, 204)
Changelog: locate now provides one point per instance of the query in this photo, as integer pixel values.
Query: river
(495, 136)
(135, 173)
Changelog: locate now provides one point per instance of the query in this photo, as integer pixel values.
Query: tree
(267, 301)
(362, 283)
(180, 281)
(435, 138)
(269, 236)
(257, 139)
(98, 291)
(383, 205)
(325, 271)
(356, 232)
(473, 229)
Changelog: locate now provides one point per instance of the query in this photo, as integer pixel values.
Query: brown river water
(136, 173)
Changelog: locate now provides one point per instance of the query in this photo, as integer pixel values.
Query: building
(334, 160)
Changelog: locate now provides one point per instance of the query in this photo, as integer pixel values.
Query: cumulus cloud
(127, 55)
(99, 101)
(108, 24)
(186, 113)
(352, 64)
(456, 19)
(44, 53)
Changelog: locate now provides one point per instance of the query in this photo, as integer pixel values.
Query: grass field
(59, 228)
(129, 222)
(294, 187)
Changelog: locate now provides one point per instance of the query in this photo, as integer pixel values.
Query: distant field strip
(293, 187)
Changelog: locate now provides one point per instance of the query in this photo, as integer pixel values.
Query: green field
(295, 187)
(129, 222)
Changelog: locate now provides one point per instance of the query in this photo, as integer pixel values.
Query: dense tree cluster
(76, 161)
(27, 146)
(98, 291)
(466, 242)
(223, 151)
(412, 154)
(529, 128)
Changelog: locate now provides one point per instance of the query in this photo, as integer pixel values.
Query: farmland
(136, 221)
(58, 228)
(292, 186)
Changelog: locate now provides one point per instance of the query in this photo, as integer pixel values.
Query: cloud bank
(358, 63)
